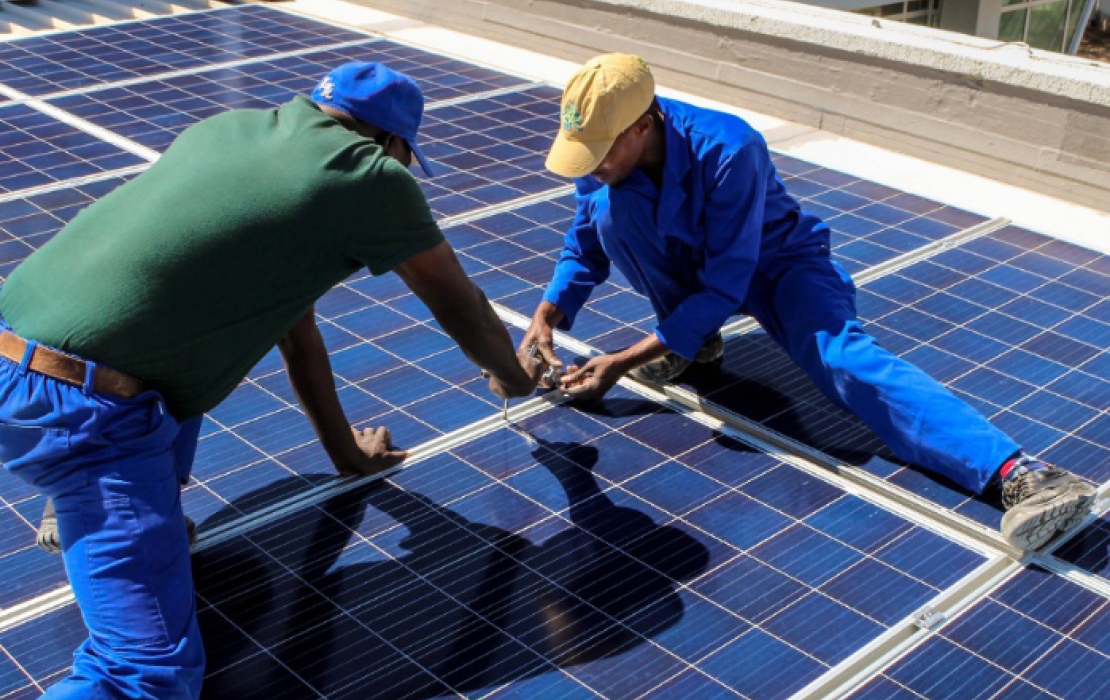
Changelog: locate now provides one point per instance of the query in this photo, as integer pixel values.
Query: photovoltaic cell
(65, 61)
(1038, 637)
(512, 257)
(154, 112)
(1090, 548)
(871, 223)
(606, 552)
(1013, 322)
(488, 151)
(613, 550)
(390, 369)
(491, 150)
(37, 150)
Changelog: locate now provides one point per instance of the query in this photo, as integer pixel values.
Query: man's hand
(533, 368)
(375, 453)
(541, 333)
(595, 378)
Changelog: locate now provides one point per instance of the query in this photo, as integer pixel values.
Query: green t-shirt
(186, 276)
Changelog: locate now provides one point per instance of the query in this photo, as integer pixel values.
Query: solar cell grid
(613, 550)
(1089, 549)
(1012, 322)
(512, 256)
(561, 566)
(37, 150)
(408, 376)
(490, 150)
(1037, 637)
(154, 112)
(871, 223)
(65, 61)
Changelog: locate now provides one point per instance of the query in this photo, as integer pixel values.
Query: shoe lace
(1023, 482)
(1017, 488)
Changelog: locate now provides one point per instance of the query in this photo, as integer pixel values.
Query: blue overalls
(724, 237)
(114, 468)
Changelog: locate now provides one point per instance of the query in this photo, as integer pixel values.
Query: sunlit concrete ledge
(1037, 120)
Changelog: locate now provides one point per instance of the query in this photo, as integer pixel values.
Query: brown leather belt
(69, 369)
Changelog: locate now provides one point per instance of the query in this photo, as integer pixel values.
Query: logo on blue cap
(379, 96)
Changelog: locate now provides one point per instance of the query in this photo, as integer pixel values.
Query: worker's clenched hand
(533, 367)
(540, 334)
(376, 453)
(594, 379)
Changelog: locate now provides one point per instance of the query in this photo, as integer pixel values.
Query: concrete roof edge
(1013, 64)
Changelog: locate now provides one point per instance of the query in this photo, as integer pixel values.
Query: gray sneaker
(47, 538)
(671, 365)
(1041, 503)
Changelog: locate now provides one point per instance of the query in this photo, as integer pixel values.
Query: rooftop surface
(730, 536)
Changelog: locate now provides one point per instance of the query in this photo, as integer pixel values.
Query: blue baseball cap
(379, 96)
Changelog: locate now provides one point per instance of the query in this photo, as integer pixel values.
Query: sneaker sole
(1031, 527)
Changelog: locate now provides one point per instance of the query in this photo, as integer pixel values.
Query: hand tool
(550, 376)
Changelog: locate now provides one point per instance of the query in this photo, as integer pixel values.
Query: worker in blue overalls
(686, 203)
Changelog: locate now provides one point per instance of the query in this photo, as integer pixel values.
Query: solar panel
(1037, 637)
(489, 150)
(64, 61)
(611, 550)
(1089, 549)
(1013, 322)
(871, 223)
(37, 150)
(615, 549)
(154, 112)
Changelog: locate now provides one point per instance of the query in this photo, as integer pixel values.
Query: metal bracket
(929, 619)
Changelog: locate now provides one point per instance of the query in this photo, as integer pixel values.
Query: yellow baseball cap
(605, 97)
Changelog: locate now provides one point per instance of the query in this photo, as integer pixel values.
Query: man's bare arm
(352, 452)
(465, 314)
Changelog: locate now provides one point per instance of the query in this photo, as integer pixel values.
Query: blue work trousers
(806, 302)
(114, 468)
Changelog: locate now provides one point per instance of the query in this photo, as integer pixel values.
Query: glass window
(924, 12)
(1011, 27)
(1046, 26)
(1007, 3)
(1073, 20)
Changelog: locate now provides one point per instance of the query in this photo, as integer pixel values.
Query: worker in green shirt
(151, 306)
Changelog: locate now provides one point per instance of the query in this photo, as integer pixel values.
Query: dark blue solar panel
(65, 61)
(871, 223)
(154, 112)
(620, 550)
(614, 550)
(390, 370)
(1037, 637)
(488, 151)
(1090, 548)
(37, 150)
(1012, 322)
(512, 256)
(28, 222)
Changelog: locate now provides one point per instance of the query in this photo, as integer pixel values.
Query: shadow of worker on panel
(439, 604)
